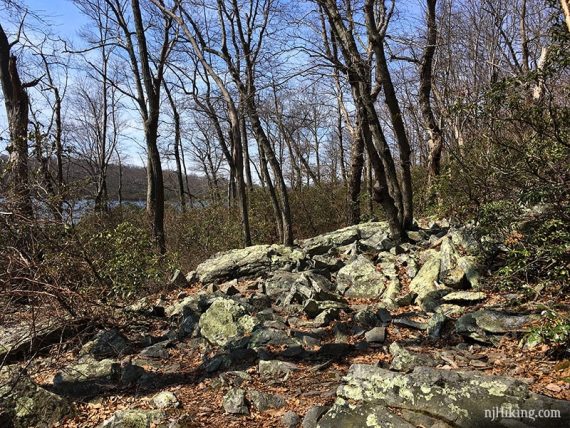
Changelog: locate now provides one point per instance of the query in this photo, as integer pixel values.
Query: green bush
(126, 257)
(554, 330)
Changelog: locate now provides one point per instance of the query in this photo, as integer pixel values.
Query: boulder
(425, 281)
(346, 415)
(327, 316)
(361, 279)
(322, 244)
(264, 336)
(107, 344)
(249, 262)
(405, 361)
(89, 376)
(225, 321)
(23, 340)
(263, 401)
(313, 307)
(275, 368)
(457, 398)
(24, 404)
(290, 419)
(482, 325)
(133, 418)
(464, 297)
(380, 241)
(234, 402)
(313, 416)
(376, 335)
(165, 400)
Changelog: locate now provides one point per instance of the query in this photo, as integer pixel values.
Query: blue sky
(61, 14)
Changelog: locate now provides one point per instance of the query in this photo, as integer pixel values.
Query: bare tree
(17, 105)
(435, 134)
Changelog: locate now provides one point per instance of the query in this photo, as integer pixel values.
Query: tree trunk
(17, 107)
(435, 144)
(355, 181)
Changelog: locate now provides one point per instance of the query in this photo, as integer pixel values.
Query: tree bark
(17, 109)
(435, 144)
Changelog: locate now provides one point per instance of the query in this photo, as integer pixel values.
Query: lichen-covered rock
(313, 416)
(264, 336)
(234, 402)
(226, 320)
(405, 361)
(465, 297)
(249, 262)
(425, 281)
(380, 241)
(89, 376)
(275, 368)
(165, 400)
(361, 279)
(346, 415)
(321, 244)
(263, 401)
(133, 418)
(290, 419)
(457, 397)
(24, 404)
(483, 324)
(107, 344)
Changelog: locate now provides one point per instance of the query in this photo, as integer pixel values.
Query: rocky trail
(344, 330)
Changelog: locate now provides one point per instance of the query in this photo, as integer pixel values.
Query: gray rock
(327, 316)
(415, 236)
(89, 376)
(380, 241)
(456, 396)
(425, 282)
(275, 368)
(483, 324)
(436, 324)
(362, 415)
(361, 279)
(313, 416)
(376, 335)
(321, 244)
(107, 344)
(366, 318)
(405, 361)
(271, 336)
(249, 262)
(157, 350)
(24, 404)
(290, 419)
(234, 378)
(165, 400)
(307, 338)
(263, 401)
(234, 402)
(225, 321)
(327, 262)
(384, 316)
(313, 308)
(465, 297)
(133, 418)
(406, 322)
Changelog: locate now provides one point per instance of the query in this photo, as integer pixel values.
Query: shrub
(126, 257)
